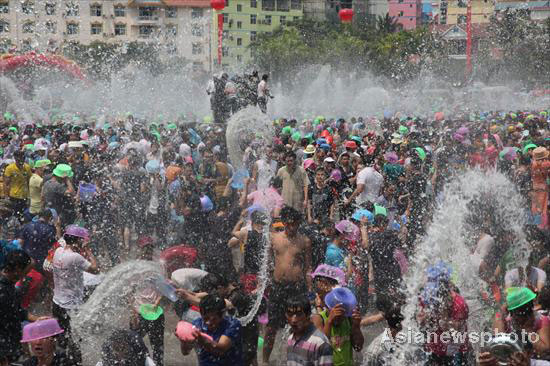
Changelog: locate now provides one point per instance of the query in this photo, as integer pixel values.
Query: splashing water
(452, 234)
(106, 309)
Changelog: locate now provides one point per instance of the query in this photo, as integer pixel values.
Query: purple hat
(41, 329)
(78, 231)
(350, 230)
(391, 157)
(336, 175)
(334, 273)
(458, 137)
(463, 131)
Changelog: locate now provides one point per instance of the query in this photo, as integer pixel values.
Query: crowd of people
(341, 205)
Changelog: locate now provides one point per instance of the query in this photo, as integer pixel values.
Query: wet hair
(211, 282)
(290, 214)
(524, 310)
(299, 302)
(380, 220)
(290, 154)
(45, 214)
(124, 348)
(320, 169)
(265, 77)
(212, 304)
(544, 298)
(276, 182)
(18, 155)
(16, 260)
(71, 239)
(394, 317)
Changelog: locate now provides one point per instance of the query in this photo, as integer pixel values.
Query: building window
(462, 4)
(96, 29)
(51, 27)
(282, 5)
(295, 18)
(27, 7)
(267, 19)
(296, 4)
(120, 11)
(28, 27)
(239, 41)
(72, 9)
(400, 14)
(252, 18)
(225, 35)
(95, 10)
(239, 24)
(146, 12)
(26, 45)
(239, 58)
(49, 8)
(145, 31)
(283, 20)
(120, 29)
(5, 45)
(72, 28)
(171, 48)
(197, 66)
(461, 19)
(239, 7)
(268, 5)
(226, 3)
(253, 3)
(171, 12)
(196, 30)
(4, 8)
(171, 30)
(225, 18)
(196, 13)
(225, 51)
(253, 36)
(196, 48)
(4, 27)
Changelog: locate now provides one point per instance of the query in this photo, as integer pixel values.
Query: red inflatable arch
(11, 62)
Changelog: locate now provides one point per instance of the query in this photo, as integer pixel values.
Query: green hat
(403, 130)
(14, 129)
(380, 210)
(171, 126)
(29, 147)
(356, 139)
(63, 170)
(421, 153)
(42, 163)
(8, 116)
(519, 296)
(528, 147)
(287, 130)
(296, 136)
(150, 311)
(156, 134)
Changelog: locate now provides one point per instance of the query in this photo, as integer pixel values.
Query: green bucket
(150, 311)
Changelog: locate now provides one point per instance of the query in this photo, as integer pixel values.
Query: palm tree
(386, 24)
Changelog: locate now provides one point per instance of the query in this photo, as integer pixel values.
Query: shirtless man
(292, 257)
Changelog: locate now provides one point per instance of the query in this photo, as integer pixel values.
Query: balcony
(148, 19)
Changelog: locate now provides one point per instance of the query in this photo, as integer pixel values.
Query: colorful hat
(359, 214)
(41, 329)
(310, 149)
(540, 153)
(380, 210)
(344, 296)
(528, 147)
(335, 273)
(42, 163)
(391, 157)
(403, 130)
(421, 153)
(519, 296)
(150, 311)
(152, 167)
(349, 229)
(78, 231)
(63, 170)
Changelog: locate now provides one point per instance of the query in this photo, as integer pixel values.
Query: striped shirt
(312, 349)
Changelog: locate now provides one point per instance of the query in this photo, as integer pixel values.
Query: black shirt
(59, 359)
(253, 252)
(11, 316)
(386, 269)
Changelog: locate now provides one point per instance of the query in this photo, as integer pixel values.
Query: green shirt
(340, 339)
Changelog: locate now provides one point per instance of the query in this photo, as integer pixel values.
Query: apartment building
(182, 26)
(243, 20)
(481, 11)
(407, 13)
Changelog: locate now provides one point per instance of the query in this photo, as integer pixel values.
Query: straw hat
(540, 153)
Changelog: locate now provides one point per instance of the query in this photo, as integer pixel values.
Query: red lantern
(217, 4)
(346, 15)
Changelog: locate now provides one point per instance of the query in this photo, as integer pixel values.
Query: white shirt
(483, 248)
(372, 180)
(536, 276)
(185, 150)
(148, 362)
(68, 278)
(262, 88)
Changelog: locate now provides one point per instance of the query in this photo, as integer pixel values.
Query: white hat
(329, 160)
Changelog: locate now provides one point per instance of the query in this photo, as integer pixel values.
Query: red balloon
(217, 4)
(346, 15)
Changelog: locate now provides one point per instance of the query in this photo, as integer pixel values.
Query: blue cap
(152, 166)
(359, 214)
(321, 141)
(325, 146)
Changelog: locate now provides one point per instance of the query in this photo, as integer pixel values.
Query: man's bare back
(292, 257)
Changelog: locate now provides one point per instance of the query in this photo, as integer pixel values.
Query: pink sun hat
(41, 329)
(350, 230)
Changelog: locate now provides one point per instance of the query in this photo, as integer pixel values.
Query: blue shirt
(229, 327)
(38, 237)
(335, 256)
